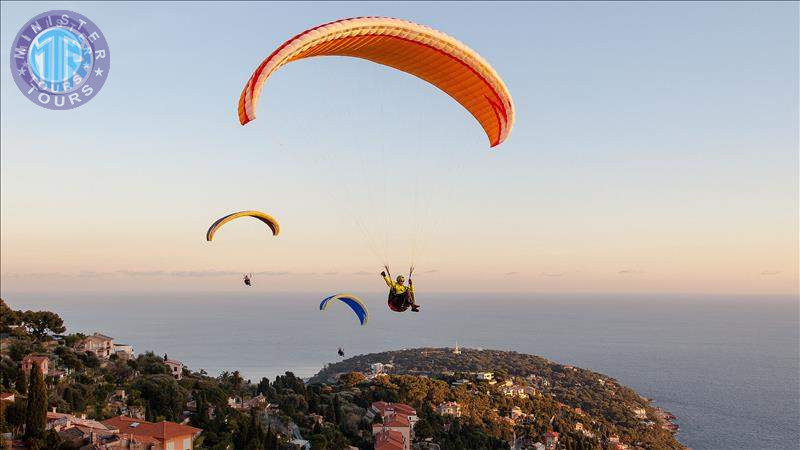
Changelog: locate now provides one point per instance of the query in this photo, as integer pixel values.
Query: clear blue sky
(655, 148)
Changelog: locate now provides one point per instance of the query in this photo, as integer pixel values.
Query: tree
(39, 323)
(351, 379)
(21, 384)
(162, 394)
(236, 381)
(15, 416)
(263, 386)
(36, 412)
(8, 317)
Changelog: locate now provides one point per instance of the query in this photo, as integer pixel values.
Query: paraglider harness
(399, 302)
(247, 279)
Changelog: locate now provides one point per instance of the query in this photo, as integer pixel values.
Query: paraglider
(400, 295)
(267, 219)
(415, 49)
(341, 352)
(355, 303)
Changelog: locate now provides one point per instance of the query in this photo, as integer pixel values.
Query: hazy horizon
(655, 150)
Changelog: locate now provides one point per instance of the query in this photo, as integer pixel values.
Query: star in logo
(98, 72)
(21, 70)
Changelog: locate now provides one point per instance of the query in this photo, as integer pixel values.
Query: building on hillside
(457, 350)
(123, 351)
(42, 361)
(99, 344)
(640, 413)
(175, 368)
(389, 440)
(59, 421)
(514, 391)
(90, 439)
(516, 413)
(57, 375)
(169, 435)
(397, 417)
(376, 368)
(484, 376)
(395, 424)
(300, 444)
(449, 409)
(385, 409)
(550, 440)
(538, 446)
(236, 402)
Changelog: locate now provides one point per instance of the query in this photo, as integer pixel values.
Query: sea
(727, 366)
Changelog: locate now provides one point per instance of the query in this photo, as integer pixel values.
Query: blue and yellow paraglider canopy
(352, 301)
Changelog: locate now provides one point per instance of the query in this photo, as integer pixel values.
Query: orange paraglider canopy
(418, 50)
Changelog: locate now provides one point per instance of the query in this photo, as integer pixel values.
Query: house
(123, 351)
(449, 409)
(175, 368)
(57, 375)
(99, 344)
(300, 444)
(169, 435)
(640, 413)
(398, 418)
(461, 382)
(516, 413)
(514, 391)
(484, 376)
(376, 368)
(538, 446)
(396, 426)
(550, 440)
(385, 409)
(43, 362)
(237, 402)
(59, 421)
(389, 440)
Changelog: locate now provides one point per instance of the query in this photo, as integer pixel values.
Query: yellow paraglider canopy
(266, 218)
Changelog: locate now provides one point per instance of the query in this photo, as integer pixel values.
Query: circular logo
(60, 59)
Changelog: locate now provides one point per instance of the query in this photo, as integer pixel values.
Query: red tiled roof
(389, 440)
(160, 430)
(396, 420)
(402, 408)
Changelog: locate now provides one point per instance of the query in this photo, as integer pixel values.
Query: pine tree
(36, 413)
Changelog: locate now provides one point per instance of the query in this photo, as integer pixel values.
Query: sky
(655, 149)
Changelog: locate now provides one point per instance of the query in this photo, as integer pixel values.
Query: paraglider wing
(267, 219)
(352, 301)
(415, 49)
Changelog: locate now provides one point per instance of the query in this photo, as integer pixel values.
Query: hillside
(591, 406)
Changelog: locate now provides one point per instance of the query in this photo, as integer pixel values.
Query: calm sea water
(726, 366)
